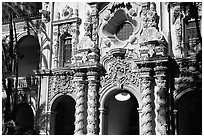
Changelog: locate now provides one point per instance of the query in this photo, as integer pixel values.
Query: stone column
(103, 112)
(175, 121)
(80, 104)
(160, 104)
(92, 111)
(140, 115)
(147, 116)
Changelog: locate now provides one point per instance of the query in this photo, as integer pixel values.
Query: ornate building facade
(110, 68)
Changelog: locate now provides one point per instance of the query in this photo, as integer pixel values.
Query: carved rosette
(93, 115)
(147, 115)
(160, 104)
(80, 106)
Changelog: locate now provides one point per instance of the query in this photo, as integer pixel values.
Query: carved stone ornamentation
(120, 72)
(160, 102)
(65, 28)
(149, 16)
(152, 43)
(94, 15)
(147, 116)
(60, 83)
(80, 106)
(66, 13)
(93, 114)
(87, 25)
(56, 45)
(177, 34)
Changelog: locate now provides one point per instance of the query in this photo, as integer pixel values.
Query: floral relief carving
(60, 84)
(120, 72)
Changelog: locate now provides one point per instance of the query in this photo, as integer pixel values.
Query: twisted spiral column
(80, 106)
(147, 116)
(92, 111)
(160, 104)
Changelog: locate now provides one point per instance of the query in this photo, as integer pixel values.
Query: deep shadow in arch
(29, 55)
(122, 117)
(189, 115)
(24, 117)
(64, 118)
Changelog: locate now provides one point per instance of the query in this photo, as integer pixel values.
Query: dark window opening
(192, 37)
(67, 51)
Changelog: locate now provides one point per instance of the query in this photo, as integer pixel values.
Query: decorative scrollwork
(120, 72)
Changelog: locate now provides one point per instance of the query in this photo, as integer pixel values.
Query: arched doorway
(24, 117)
(64, 115)
(189, 116)
(29, 55)
(122, 117)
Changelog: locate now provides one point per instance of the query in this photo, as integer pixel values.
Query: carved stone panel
(120, 72)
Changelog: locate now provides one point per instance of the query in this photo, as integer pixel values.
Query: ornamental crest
(120, 72)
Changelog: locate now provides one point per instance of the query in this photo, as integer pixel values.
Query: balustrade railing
(27, 82)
